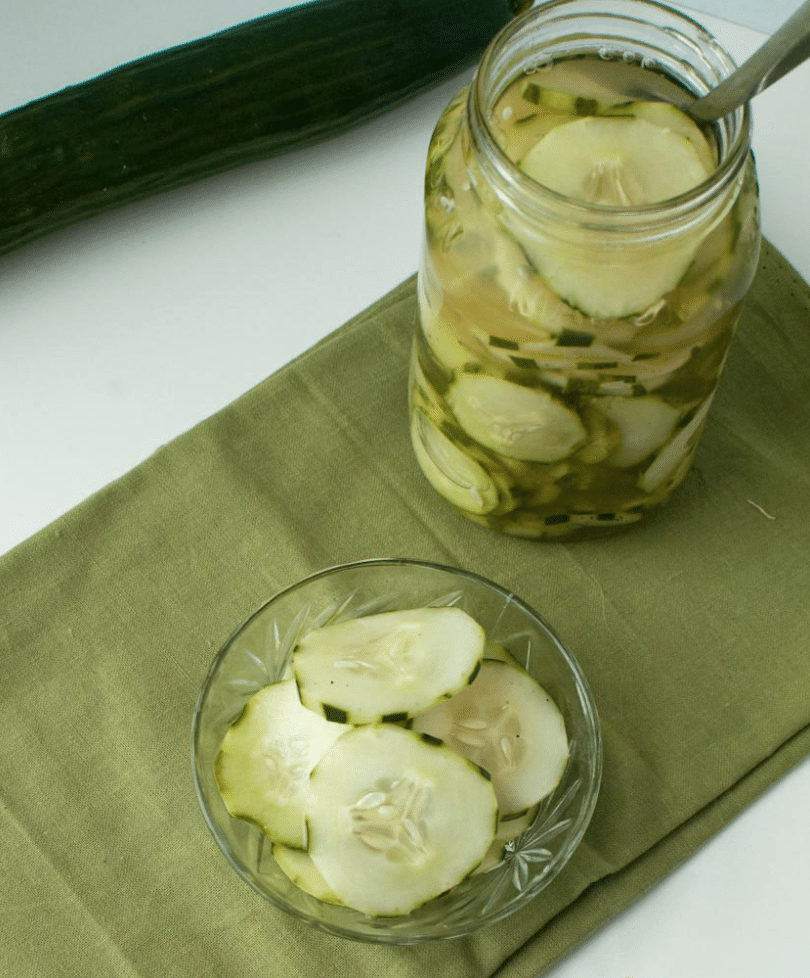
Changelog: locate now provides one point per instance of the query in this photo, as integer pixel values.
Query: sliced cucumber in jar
(606, 282)
(506, 722)
(618, 162)
(671, 455)
(263, 766)
(543, 315)
(615, 162)
(527, 294)
(387, 666)
(448, 351)
(395, 819)
(644, 424)
(604, 436)
(657, 367)
(517, 422)
(605, 520)
(667, 116)
(453, 474)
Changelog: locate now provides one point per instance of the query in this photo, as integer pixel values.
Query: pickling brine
(587, 250)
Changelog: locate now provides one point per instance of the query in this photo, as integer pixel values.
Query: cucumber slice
(517, 422)
(448, 351)
(667, 460)
(511, 826)
(442, 340)
(644, 423)
(612, 283)
(395, 819)
(493, 857)
(303, 873)
(526, 292)
(387, 666)
(667, 116)
(263, 766)
(456, 476)
(506, 722)
(494, 650)
(604, 436)
(617, 162)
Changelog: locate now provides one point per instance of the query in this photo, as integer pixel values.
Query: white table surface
(121, 333)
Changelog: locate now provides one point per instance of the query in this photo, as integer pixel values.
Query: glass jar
(570, 342)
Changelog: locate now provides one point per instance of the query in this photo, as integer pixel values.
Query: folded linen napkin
(692, 631)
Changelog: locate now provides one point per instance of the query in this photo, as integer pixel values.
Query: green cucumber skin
(248, 93)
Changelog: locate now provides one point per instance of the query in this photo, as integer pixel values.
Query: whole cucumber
(247, 93)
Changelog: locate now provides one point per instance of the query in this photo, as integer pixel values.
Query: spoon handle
(781, 53)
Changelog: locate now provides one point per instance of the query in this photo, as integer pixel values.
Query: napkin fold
(692, 630)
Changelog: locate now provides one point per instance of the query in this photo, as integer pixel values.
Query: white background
(123, 332)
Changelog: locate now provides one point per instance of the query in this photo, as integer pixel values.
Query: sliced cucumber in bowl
(395, 819)
(509, 828)
(263, 765)
(387, 666)
(302, 872)
(400, 829)
(506, 722)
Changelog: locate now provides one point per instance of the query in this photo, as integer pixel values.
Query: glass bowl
(257, 654)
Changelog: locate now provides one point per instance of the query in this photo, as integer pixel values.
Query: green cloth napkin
(693, 631)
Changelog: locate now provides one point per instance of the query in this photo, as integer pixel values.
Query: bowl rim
(594, 752)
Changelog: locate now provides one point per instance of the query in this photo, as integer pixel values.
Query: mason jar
(587, 249)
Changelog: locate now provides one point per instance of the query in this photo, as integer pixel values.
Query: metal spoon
(781, 53)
